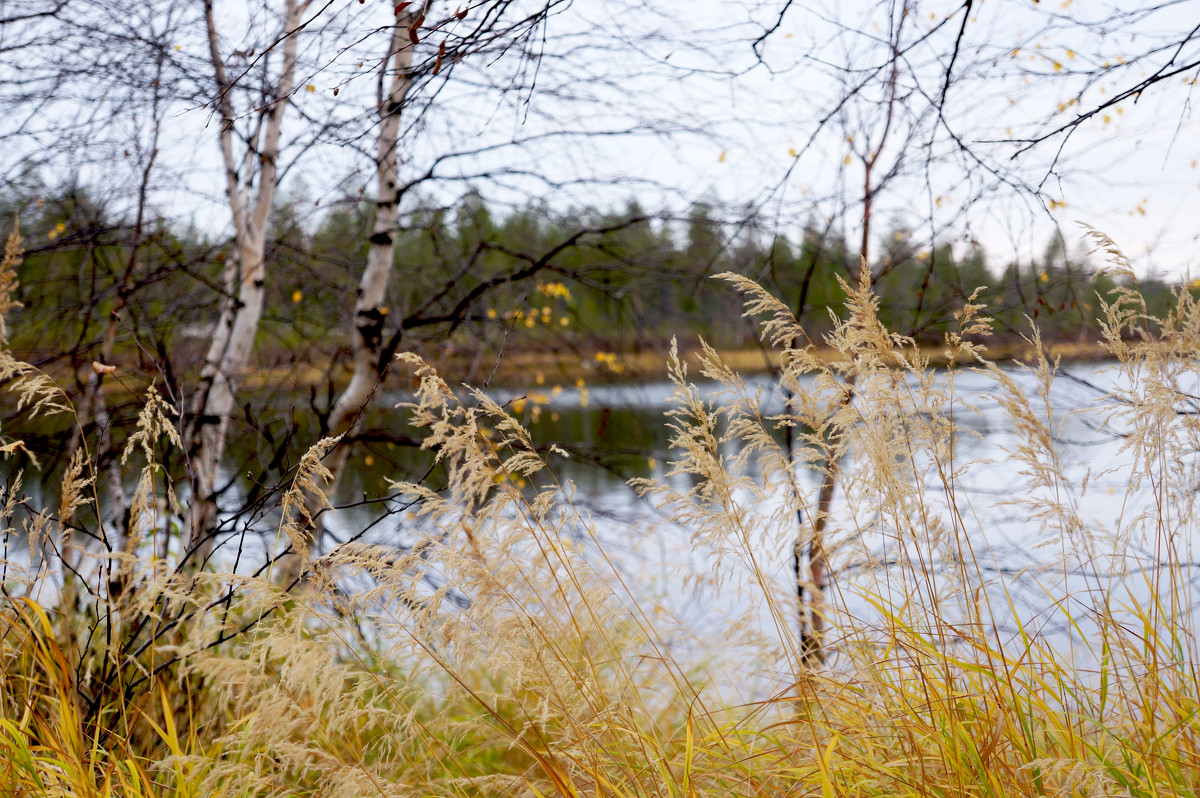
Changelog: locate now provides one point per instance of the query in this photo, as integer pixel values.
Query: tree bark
(245, 270)
(813, 620)
(370, 310)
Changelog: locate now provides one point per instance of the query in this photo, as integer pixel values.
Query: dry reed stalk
(503, 647)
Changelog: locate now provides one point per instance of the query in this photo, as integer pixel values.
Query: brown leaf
(437, 66)
(100, 368)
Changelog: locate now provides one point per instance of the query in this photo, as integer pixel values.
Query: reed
(509, 648)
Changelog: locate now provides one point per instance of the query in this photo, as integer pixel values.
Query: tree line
(470, 278)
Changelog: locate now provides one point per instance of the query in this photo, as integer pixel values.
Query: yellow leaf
(792, 152)
(311, 88)
(171, 738)
(721, 157)
(297, 296)
(846, 160)
(828, 785)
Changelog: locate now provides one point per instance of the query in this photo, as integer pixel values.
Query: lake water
(1041, 548)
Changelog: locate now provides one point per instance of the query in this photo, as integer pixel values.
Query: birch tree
(370, 350)
(396, 80)
(369, 307)
(238, 77)
(251, 182)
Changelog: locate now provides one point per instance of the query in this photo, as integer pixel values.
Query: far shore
(530, 368)
(525, 368)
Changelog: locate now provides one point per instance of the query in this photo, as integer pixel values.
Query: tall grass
(510, 649)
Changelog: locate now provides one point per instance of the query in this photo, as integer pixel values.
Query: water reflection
(981, 494)
(1040, 545)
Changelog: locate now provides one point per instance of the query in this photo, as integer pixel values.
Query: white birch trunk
(233, 335)
(369, 312)
(366, 339)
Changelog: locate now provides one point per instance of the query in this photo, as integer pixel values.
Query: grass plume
(506, 647)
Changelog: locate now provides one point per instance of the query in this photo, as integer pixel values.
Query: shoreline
(529, 368)
(538, 367)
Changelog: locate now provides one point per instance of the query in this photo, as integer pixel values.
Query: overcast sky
(670, 102)
(1023, 70)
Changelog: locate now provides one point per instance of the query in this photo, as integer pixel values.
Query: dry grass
(507, 652)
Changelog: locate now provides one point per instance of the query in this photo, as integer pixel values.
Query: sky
(669, 103)
(1130, 171)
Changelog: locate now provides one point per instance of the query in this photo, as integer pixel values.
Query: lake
(1056, 535)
